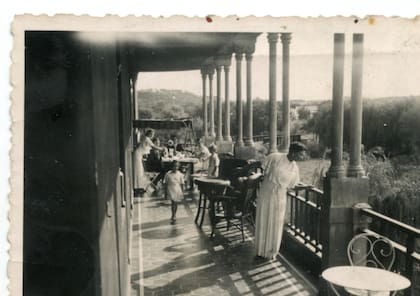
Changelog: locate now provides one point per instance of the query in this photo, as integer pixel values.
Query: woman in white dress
(143, 148)
(280, 172)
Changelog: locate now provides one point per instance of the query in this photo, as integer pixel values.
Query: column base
(224, 146)
(247, 152)
(355, 171)
(340, 196)
(208, 140)
(249, 143)
(336, 172)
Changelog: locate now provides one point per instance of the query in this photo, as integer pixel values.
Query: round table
(208, 186)
(365, 278)
(213, 181)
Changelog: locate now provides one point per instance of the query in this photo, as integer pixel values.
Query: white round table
(364, 278)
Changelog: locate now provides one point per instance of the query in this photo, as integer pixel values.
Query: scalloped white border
(147, 23)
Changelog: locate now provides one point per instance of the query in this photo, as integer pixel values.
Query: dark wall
(77, 137)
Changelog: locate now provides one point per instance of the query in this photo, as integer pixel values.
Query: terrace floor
(181, 259)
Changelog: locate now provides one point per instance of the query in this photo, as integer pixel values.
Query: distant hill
(168, 103)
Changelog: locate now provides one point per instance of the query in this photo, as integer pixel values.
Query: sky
(391, 66)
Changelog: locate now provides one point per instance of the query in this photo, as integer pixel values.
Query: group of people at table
(280, 173)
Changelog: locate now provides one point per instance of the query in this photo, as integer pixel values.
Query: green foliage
(391, 122)
(304, 113)
(394, 188)
(164, 103)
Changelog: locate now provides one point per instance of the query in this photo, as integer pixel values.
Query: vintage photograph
(215, 156)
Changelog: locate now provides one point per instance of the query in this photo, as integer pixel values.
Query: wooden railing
(303, 216)
(406, 241)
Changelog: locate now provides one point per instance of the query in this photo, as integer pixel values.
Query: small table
(364, 278)
(209, 186)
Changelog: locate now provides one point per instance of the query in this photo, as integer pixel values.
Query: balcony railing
(266, 138)
(303, 216)
(406, 241)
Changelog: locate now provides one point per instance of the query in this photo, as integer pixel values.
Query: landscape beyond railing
(303, 216)
(406, 240)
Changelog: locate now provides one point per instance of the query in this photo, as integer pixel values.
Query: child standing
(214, 162)
(174, 181)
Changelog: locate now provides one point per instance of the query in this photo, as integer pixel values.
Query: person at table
(214, 162)
(203, 154)
(142, 149)
(174, 188)
(154, 162)
(170, 147)
(280, 173)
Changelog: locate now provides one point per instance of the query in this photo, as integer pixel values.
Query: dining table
(368, 280)
(185, 162)
(209, 188)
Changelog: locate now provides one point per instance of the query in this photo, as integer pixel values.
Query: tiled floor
(182, 260)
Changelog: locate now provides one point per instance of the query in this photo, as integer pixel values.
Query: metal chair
(372, 250)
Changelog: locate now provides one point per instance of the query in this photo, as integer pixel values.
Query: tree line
(392, 123)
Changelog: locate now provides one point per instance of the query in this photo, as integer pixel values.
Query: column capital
(226, 68)
(358, 37)
(203, 72)
(239, 56)
(273, 37)
(286, 38)
(222, 60)
(248, 56)
(219, 69)
(244, 42)
(210, 73)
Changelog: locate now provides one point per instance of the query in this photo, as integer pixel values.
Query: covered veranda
(332, 211)
(126, 245)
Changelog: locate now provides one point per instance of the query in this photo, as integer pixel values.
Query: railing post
(415, 280)
(412, 268)
(360, 222)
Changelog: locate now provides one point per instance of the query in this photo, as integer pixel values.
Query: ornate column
(355, 168)
(227, 105)
(336, 169)
(285, 40)
(219, 136)
(205, 118)
(341, 194)
(211, 101)
(249, 124)
(239, 119)
(272, 40)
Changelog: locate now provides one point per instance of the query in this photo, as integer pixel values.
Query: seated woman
(154, 163)
(203, 154)
(142, 149)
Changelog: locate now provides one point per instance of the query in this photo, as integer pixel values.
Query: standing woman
(280, 173)
(143, 148)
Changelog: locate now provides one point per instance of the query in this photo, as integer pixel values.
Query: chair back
(228, 166)
(250, 193)
(368, 249)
